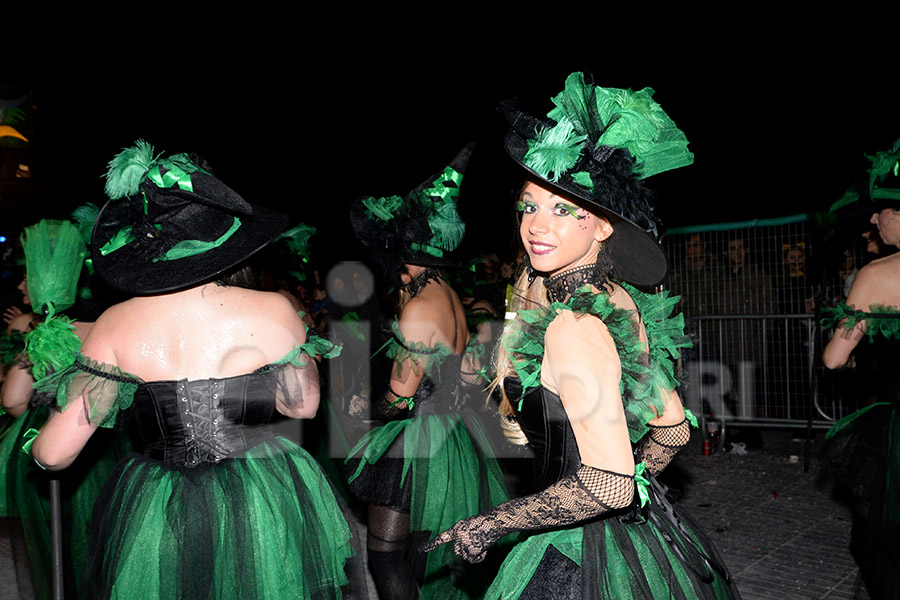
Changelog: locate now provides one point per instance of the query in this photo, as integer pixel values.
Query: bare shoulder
(417, 319)
(575, 340)
(877, 283)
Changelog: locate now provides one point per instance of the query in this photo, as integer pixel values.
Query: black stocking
(387, 546)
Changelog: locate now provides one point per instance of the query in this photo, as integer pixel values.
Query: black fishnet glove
(390, 405)
(587, 494)
(660, 446)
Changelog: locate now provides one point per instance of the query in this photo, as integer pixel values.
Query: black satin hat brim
(129, 270)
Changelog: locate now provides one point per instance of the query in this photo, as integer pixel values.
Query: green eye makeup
(572, 210)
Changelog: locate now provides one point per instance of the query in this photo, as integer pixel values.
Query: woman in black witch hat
(217, 505)
(425, 467)
(588, 365)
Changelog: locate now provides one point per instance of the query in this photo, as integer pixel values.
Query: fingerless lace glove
(390, 405)
(585, 495)
(660, 446)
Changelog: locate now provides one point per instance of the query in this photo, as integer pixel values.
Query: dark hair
(619, 190)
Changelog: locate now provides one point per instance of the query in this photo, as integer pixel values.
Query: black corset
(438, 393)
(544, 421)
(188, 423)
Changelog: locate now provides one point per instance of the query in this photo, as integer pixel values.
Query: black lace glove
(660, 446)
(587, 494)
(391, 406)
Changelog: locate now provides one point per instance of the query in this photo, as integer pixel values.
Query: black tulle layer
(262, 525)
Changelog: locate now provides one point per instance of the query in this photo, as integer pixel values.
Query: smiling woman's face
(558, 235)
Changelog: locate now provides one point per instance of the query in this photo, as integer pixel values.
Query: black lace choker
(421, 280)
(562, 285)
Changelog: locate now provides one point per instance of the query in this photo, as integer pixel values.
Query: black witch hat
(170, 223)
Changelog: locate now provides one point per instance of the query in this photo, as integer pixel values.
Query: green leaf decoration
(382, 208)
(127, 170)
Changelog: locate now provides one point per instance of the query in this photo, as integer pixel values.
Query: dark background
(306, 111)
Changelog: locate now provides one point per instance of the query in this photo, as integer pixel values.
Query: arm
(416, 326)
(838, 350)
(669, 433)
(300, 399)
(582, 364)
(65, 434)
(17, 388)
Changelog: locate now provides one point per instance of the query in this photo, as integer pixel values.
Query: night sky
(305, 114)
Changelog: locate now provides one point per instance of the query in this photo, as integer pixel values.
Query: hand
(359, 407)
(11, 313)
(471, 538)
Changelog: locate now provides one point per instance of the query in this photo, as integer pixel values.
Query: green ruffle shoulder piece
(881, 320)
(423, 359)
(315, 345)
(477, 354)
(646, 376)
(105, 389)
(12, 345)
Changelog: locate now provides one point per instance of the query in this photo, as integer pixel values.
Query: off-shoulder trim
(880, 319)
(646, 374)
(399, 349)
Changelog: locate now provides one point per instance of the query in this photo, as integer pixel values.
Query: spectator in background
(745, 291)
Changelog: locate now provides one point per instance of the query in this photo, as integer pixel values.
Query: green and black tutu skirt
(265, 524)
(635, 554)
(440, 469)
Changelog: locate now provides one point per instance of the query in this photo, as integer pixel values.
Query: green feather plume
(638, 123)
(127, 170)
(85, 216)
(884, 164)
(554, 150)
(297, 239)
(618, 118)
(447, 226)
(52, 346)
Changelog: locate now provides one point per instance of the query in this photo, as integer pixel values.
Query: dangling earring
(529, 269)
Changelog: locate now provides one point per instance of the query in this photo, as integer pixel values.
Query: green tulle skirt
(262, 525)
(27, 498)
(631, 555)
(441, 469)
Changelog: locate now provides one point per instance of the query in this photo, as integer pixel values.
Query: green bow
(642, 483)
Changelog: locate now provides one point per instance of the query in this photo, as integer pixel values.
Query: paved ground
(781, 535)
